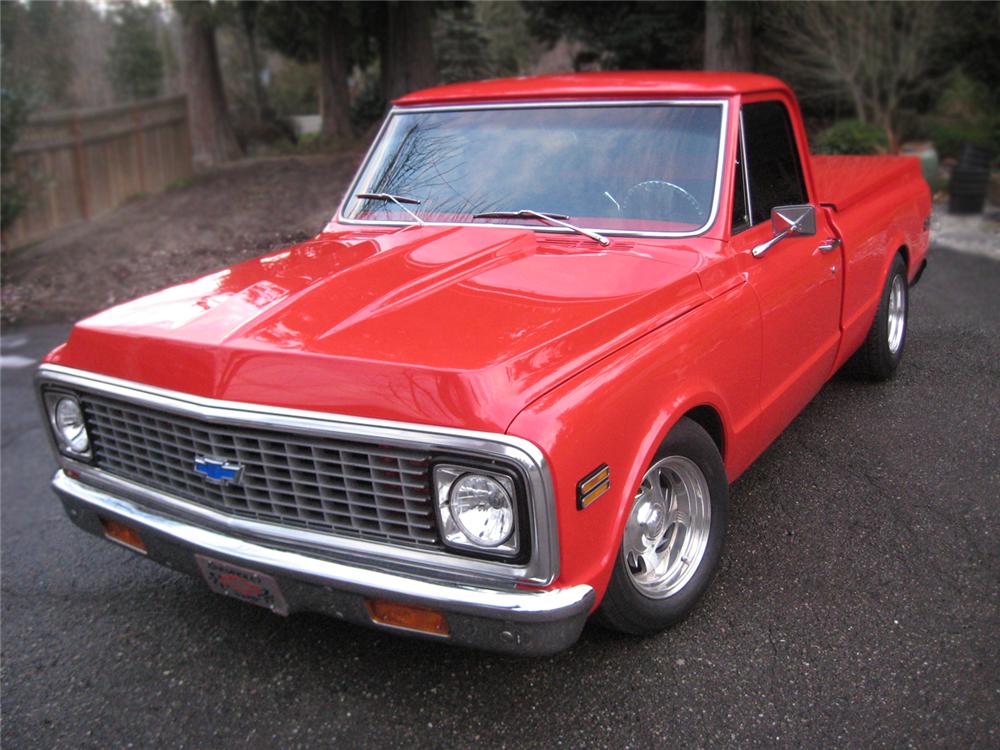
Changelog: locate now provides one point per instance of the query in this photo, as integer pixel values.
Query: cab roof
(646, 84)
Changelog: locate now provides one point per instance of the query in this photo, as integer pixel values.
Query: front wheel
(673, 536)
(882, 350)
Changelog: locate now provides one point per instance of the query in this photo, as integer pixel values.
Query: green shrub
(181, 183)
(852, 137)
(950, 135)
(963, 114)
(310, 143)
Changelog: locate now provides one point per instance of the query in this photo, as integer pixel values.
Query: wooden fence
(78, 165)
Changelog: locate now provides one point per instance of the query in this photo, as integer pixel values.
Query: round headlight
(482, 509)
(70, 426)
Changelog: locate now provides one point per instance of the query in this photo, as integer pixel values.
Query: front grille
(324, 484)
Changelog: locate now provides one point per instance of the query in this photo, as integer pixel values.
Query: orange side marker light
(123, 534)
(407, 617)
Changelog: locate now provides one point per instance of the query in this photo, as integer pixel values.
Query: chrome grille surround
(312, 479)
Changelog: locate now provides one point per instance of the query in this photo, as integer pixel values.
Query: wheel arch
(704, 408)
(709, 419)
(897, 245)
(905, 252)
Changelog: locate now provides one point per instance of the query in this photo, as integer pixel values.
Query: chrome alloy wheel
(667, 531)
(897, 314)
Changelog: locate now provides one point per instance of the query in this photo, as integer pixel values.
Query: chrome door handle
(830, 245)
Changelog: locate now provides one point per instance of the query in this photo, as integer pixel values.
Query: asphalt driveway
(858, 604)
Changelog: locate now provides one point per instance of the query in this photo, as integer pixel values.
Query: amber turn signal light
(420, 619)
(123, 534)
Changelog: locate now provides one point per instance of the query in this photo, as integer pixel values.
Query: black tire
(626, 608)
(876, 359)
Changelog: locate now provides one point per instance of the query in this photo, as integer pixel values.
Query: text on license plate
(243, 584)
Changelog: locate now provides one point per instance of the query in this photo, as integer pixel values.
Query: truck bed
(846, 180)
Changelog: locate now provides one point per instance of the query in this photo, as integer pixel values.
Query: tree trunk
(885, 121)
(212, 137)
(728, 36)
(408, 48)
(334, 95)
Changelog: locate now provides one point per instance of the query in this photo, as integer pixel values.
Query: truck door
(797, 280)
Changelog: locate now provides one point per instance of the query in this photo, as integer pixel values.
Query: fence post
(139, 150)
(80, 168)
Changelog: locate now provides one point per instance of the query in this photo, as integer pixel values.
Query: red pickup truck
(508, 385)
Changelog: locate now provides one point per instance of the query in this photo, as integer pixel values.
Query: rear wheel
(882, 350)
(673, 536)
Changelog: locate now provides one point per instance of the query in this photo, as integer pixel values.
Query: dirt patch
(221, 217)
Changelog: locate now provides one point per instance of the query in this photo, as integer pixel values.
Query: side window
(741, 220)
(775, 173)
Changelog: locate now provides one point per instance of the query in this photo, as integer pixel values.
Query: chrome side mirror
(788, 221)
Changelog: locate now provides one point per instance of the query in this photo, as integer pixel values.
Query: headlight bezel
(444, 475)
(51, 399)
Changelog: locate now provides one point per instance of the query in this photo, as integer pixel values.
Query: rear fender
(868, 256)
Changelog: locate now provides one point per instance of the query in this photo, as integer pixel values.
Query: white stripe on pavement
(15, 361)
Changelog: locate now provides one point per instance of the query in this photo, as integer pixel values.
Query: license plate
(243, 584)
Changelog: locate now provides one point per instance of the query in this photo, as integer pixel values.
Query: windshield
(615, 167)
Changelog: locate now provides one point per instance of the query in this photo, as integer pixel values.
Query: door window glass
(773, 166)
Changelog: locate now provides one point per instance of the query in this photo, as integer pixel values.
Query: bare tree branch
(873, 54)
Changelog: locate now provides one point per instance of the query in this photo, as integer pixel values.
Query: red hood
(458, 326)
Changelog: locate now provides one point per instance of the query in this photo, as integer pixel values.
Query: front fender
(619, 410)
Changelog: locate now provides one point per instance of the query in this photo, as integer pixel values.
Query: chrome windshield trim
(746, 173)
(339, 217)
(540, 570)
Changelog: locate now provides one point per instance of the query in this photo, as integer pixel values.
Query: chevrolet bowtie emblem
(218, 471)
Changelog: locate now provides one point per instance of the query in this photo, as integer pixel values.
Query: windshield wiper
(554, 219)
(399, 200)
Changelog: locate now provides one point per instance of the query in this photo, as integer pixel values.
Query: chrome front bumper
(511, 620)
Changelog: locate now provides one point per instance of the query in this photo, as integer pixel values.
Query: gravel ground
(221, 217)
(978, 234)
(858, 604)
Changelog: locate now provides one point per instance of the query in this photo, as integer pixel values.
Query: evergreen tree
(323, 33)
(135, 60)
(463, 50)
(627, 35)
